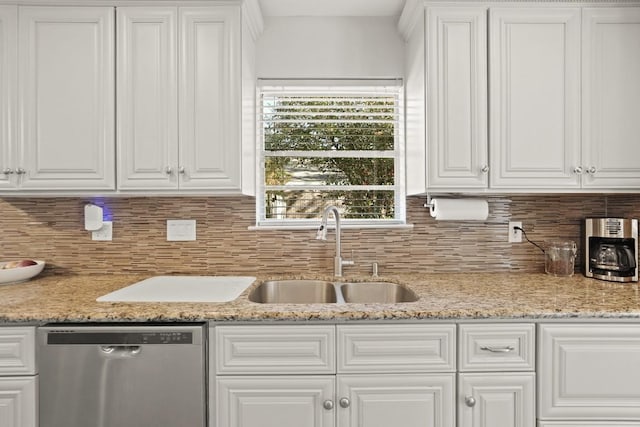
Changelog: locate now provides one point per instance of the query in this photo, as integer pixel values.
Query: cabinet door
(66, 98)
(611, 97)
(589, 371)
(496, 400)
(457, 98)
(209, 108)
(297, 401)
(534, 101)
(147, 98)
(405, 400)
(8, 84)
(18, 402)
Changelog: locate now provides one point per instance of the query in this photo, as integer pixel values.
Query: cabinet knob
(485, 169)
(7, 171)
(20, 171)
(168, 170)
(344, 402)
(181, 171)
(578, 170)
(470, 401)
(592, 170)
(328, 405)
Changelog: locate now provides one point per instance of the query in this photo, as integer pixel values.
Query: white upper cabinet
(178, 98)
(562, 89)
(457, 98)
(147, 96)
(534, 100)
(611, 97)
(8, 84)
(209, 94)
(66, 98)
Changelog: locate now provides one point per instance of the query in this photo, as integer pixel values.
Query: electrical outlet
(105, 233)
(515, 235)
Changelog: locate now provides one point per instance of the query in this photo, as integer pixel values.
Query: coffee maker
(611, 249)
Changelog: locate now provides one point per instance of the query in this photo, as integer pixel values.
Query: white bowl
(20, 274)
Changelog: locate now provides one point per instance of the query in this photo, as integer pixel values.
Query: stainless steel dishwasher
(122, 375)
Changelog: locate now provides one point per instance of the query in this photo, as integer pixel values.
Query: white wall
(330, 47)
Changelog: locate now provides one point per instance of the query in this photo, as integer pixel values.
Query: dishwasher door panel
(122, 385)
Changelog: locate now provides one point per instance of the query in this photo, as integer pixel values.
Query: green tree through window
(323, 148)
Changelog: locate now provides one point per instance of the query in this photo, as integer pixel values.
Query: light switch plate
(181, 230)
(105, 233)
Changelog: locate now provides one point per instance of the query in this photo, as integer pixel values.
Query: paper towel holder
(428, 204)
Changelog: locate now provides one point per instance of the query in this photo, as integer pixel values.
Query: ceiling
(331, 7)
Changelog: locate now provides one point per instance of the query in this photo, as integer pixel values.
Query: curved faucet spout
(322, 235)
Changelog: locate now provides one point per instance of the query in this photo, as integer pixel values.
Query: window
(330, 143)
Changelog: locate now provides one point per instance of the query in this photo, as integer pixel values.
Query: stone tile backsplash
(53, 229)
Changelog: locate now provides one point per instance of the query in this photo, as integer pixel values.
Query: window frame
(397, 154)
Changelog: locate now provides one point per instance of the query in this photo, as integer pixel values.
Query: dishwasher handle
(120, 351)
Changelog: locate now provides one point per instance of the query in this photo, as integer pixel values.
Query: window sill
(343, 226)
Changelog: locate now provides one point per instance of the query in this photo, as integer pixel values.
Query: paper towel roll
(459, 209)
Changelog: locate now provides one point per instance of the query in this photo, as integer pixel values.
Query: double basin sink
(322, 292)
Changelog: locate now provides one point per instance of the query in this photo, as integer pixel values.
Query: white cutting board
(182, 289)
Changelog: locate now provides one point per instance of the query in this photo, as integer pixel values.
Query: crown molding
(411, 14)
(252, 14)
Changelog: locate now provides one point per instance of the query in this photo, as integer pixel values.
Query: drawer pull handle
(328, 405)
(506, 349)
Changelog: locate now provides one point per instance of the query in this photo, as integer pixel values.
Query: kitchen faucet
(338, 262)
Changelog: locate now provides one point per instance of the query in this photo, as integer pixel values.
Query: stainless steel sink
(321, 292)
(294, 292)
(376, 292)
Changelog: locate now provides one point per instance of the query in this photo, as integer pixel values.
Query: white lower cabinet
(589, 374)
(275, 401)
(496, 383)
(496, 400)
(287, 389)
(407, 400)
(18, 379)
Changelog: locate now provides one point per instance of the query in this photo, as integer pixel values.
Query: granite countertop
(72, 298)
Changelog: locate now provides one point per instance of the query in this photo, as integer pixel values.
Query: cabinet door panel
(501, 400)
(8, 84)
(18, 402)
(534, 99)
(17, 351)
(457, 97)
(209, 97)
(274, 401)
(286, 349)
(396, 348)
(66, 93)
(147, 98)
(589, 371)
(396, 400)
(611, 97)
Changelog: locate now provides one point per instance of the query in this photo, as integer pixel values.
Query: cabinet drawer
(497, 347)
(307, 349)
(588, 424)
(589, 371)
(396, 348)
(17, 351)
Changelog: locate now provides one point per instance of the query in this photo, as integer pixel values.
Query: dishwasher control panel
(118, 338)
